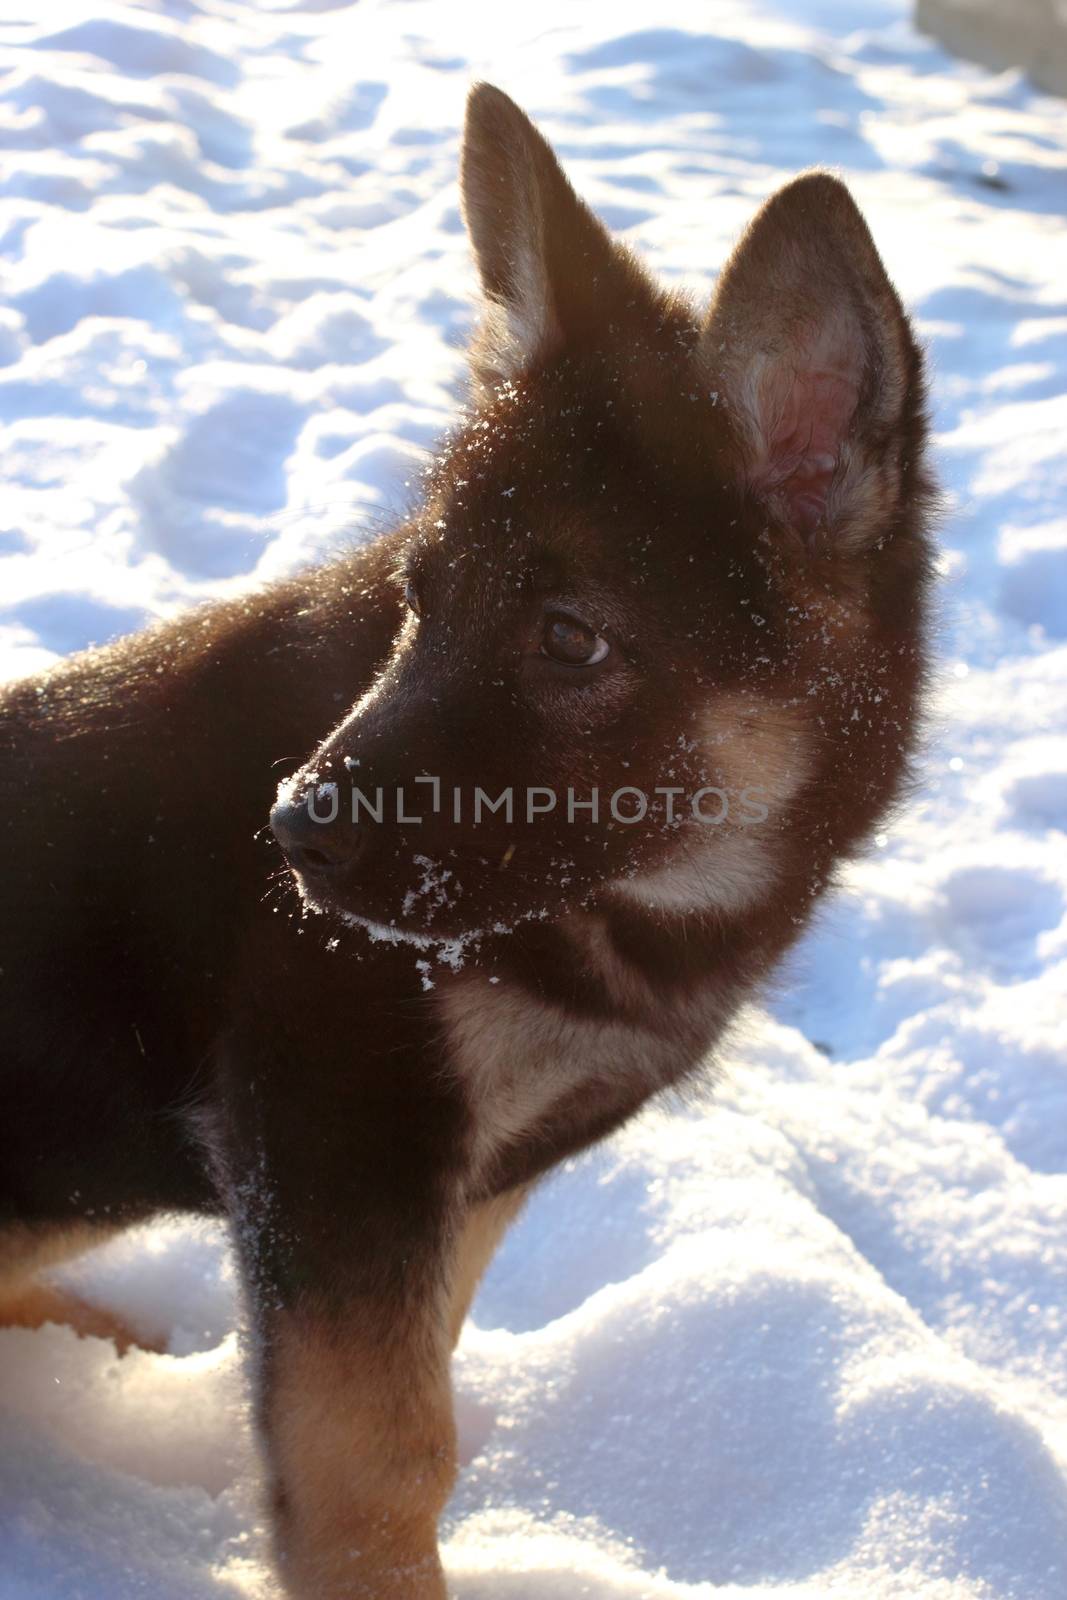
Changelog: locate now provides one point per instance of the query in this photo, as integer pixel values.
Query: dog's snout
(316, 849)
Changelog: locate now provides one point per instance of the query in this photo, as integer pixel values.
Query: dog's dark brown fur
(733, 507)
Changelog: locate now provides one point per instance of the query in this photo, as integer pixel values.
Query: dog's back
(134, 785)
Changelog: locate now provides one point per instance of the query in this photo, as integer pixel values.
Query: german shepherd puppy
(666, 589)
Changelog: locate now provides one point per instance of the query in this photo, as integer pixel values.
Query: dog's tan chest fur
(520, 1058)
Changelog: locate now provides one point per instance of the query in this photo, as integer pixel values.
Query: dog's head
(664, 571)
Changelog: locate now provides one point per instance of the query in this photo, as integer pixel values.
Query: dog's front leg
(345, 1195)
(355, 1410)
(356, 1418)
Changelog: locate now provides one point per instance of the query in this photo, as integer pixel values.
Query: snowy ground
(808, 1342)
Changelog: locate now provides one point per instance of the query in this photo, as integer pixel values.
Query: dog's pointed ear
(541, 253)
(810, 349)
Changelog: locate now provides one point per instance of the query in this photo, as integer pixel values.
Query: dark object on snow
(675, 559)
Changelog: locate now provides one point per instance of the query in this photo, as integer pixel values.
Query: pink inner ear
(808, 415)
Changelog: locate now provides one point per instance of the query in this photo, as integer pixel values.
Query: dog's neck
(562, 1030)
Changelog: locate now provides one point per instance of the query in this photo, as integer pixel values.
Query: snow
(803, 1339)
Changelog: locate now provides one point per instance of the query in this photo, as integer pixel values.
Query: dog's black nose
(316, 849)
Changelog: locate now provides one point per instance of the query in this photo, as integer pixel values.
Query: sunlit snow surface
(809, 1341)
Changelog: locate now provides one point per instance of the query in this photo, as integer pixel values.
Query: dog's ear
(811, 351)
(546, 263)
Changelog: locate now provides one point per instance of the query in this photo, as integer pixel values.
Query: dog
(583, 742)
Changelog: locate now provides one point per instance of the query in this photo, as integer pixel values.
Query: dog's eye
(572, 643)
(411, 595)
